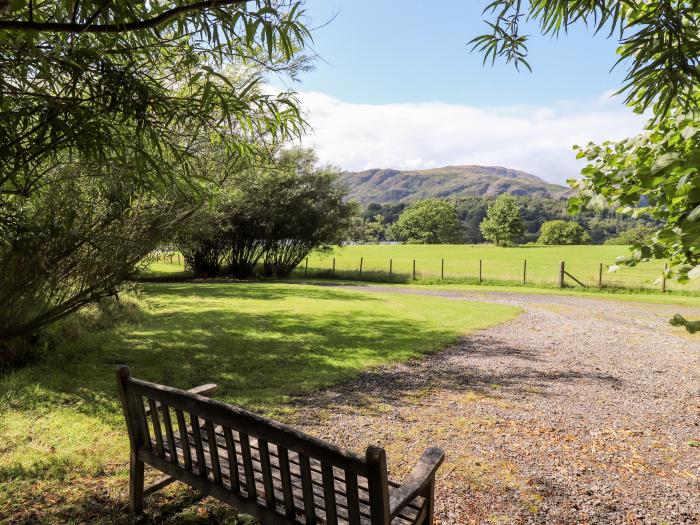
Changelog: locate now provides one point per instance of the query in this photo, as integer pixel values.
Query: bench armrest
(204, 390)
(421, 475)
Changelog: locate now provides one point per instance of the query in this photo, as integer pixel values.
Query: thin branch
(68, 27)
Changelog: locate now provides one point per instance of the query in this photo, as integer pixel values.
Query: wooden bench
(263, 468)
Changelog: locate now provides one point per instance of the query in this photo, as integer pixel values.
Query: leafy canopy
(503, 224)
(656, 173)
(108, 110)
(140, 82)
(429, 221)
(659, 40)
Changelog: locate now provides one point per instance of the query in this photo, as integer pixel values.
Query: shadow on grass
(259, 358)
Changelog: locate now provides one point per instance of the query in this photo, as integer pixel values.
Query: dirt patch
(578, 411)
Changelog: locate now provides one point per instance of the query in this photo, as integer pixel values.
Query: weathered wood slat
(247, 465)
(158, 434)
(232, 459)
(168, 424)
(307, 490)
(329, 494)
(141, 417)
(286, 481)
(211, 441)
(182, 426)
(199, 449)
(352, 498)
(266, 473)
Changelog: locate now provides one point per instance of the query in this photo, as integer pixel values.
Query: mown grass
(63, 445)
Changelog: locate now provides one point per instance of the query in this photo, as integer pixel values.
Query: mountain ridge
(388, 185)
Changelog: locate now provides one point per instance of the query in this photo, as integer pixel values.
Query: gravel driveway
(580, 410)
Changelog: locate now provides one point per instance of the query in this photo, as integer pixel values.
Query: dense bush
(429, 221)
(101, 134)
(71, 244)
(637, 235)
(276, 214)
(563, 232)
(306, 210)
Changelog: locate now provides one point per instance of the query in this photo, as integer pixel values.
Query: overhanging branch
(88, 27)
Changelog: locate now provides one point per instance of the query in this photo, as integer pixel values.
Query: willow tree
(118, 98)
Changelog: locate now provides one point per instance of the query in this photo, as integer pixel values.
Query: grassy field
(498, 264)
(64, 449)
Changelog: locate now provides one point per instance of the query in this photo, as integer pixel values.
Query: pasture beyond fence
(488, 270)
(601, 277)
(533, 265)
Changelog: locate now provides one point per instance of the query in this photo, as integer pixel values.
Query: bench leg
(429, 496)
(136, 468)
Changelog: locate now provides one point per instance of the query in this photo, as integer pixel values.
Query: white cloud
(431, 134)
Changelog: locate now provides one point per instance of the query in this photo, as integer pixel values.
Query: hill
(389, 185)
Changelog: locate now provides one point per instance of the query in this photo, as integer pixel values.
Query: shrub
(306, 209)
(633, 236)
(429, 221)
(563, 232)
(71, 244)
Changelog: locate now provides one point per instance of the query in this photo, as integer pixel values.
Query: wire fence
(525, 272)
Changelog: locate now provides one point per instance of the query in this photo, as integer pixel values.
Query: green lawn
(62, 439)
(498, 264)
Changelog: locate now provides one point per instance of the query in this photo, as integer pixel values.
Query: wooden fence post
(663, 279)
(442, 269)
(306, 268)
(333, 266)
(480, 279)
(561, 274)
(414, 269)
(524, 271)
(390, 267)
(600, 275)
(361, 260)
(178, 259)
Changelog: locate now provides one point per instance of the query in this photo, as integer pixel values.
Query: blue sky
(406, 68)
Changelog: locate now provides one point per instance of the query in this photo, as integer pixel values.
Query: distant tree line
(377, 221)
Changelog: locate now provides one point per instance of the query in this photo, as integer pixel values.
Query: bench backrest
(253, 458)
